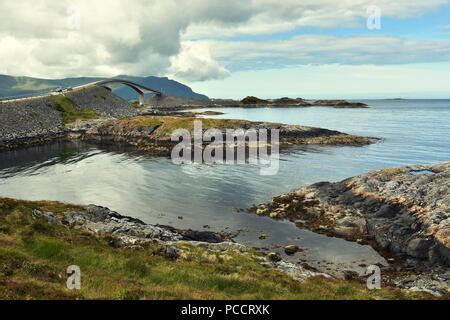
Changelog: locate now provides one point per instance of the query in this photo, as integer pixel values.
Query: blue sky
(234, 48)
(381, 77)
(430, 25)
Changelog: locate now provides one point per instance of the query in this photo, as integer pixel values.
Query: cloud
(194, 63)
(312, 49)
(68, 38)
(50, 38)
(272, 16)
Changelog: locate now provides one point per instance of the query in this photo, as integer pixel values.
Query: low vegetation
(135, 104)
(34, 256)
(69, 111)
(167, 125)
(253, 100)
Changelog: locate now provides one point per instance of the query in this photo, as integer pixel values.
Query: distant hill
(23, 86)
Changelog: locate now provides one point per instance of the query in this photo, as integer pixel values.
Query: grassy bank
(167, 125)
(35, 254)
(69, 111)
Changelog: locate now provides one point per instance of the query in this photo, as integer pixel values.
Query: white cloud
(66, 38)
(194, 63)
(272, 16)
(312, 49)
(50, 38)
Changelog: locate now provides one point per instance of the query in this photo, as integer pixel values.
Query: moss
(69, 111)
(253, 100)
(33, 265)
(135, 104)
(167, 125)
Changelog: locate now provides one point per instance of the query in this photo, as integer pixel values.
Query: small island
(176, 103)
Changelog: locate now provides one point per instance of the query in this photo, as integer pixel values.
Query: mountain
(165, 85)
(24, 86)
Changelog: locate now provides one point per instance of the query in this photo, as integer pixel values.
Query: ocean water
(205, 197)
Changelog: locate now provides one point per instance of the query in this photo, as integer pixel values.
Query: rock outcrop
(29, 122)
(103, 101)
(37, 120)
(339, 104)
(402, 210)
(128, 232)
(153, 134)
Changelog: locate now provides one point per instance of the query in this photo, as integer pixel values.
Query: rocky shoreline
(127, 232)
(173, 103)
(145, 133)
(153, 134)
(37, 121)
(402, 212)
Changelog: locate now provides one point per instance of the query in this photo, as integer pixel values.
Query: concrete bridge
(107, 84)
(141, 90)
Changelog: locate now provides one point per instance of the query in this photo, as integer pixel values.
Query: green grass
(69, 111)
(253, 100)
(135, 104)
(167, 125)
(34, 257)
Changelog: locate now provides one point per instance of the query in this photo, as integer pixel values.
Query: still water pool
(205, 197)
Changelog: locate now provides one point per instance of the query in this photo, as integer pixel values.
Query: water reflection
(157, 191)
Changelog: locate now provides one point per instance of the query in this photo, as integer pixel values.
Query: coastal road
(49, 94)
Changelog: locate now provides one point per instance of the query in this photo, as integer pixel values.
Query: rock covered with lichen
(154, 133)
(403, 210)
(127, 232)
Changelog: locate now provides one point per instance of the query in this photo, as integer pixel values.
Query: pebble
(291, 249)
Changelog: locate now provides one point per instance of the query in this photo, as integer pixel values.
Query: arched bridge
(141, 90)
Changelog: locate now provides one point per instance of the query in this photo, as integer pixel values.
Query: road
(49, 94)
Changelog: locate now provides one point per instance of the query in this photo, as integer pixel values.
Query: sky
(231, 49)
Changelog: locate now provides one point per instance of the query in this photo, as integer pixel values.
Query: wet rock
(359, 225)
(262, 210)
(275, 215)
(274, 257)
(404, 210)
(101, 220)
(345, 232)
(291, 249)
(203, 236)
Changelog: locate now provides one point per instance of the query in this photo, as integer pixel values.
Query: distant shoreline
(251, 102)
